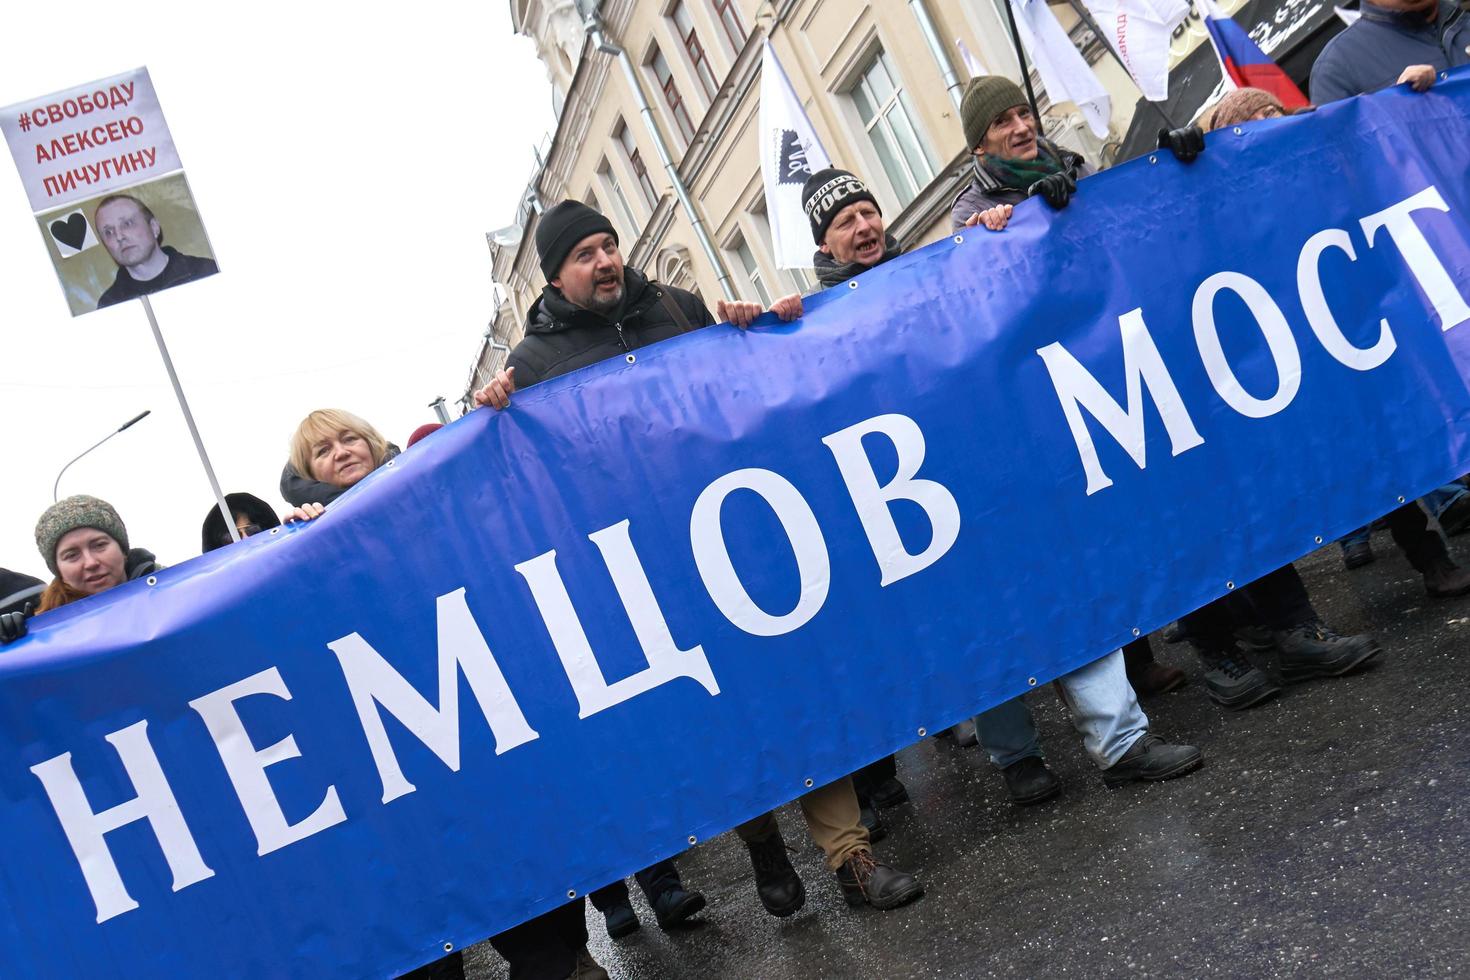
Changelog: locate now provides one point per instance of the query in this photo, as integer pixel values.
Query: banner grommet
(923, 732)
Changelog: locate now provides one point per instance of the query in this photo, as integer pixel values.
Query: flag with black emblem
(790, 153)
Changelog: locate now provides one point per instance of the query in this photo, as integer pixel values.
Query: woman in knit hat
(1012, 161)
(85, 545)
(1243, 105)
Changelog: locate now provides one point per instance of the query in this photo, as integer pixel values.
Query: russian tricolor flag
(1245, 63)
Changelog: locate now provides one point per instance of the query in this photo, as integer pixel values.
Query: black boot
(1151, 759)
(871, 821)
(890, 792)
(776, 881)
(1233, 681)
(1357, 554)
(1445, 579)
(1312, 650)
(675, 905)
(621, 920)
(865, 880)
(1030, 781)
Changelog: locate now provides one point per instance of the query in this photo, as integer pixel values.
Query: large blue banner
(657, 597)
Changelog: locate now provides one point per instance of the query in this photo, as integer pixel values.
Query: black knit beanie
(561, 228)
(827, 192)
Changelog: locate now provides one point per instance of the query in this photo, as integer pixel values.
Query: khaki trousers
(831, 813)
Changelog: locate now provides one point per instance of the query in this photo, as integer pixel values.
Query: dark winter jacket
(180, 268)
(260, 513)
(140, 562)
(17, 589)
(984, 191)
(561, 337)
(1371, 54)
(831, 273)
(298, 490)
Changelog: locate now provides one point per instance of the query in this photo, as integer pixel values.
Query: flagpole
(1093, 26)
(173, 378)
(1025, 71)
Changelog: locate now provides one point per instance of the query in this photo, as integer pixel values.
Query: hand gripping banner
(657, 597)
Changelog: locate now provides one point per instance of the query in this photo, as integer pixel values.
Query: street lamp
(126, 425)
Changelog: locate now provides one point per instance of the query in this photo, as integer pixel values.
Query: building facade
(649, 89)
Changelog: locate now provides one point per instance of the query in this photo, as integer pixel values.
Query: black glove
(1186, 144)
(1056, 189)
(13, 624)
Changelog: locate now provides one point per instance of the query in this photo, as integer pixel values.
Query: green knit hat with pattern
(986, 97)
(75, 512)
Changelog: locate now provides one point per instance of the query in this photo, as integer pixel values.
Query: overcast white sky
(347, 162)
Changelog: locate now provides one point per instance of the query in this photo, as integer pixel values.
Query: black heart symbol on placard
(72, 231)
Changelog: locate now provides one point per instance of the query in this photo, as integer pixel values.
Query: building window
(800, 281)
(630, 152)
(687, 36)
(752, 271)
(888, 118)
(730, 20)
(671, 94)
(624, 215)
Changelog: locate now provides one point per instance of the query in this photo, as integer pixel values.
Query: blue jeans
(1435, 501)
(1104, 710)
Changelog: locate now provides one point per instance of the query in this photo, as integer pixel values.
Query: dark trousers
(1424, 548)
(654, 881)
(1137, 655)
(1277, 600)
(869, 777)
(546, 947)
(449, 967)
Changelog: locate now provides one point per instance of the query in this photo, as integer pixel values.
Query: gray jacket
(984, 192)
(1371, 54)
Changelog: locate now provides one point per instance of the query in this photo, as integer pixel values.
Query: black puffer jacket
(560, 337)
(298, 490)
(17, 589)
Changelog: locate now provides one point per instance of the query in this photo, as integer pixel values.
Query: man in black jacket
(594, 308)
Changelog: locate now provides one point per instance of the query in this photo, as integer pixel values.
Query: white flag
(972, 63)
(1064, 72)
(790, 153)
(1140, 31)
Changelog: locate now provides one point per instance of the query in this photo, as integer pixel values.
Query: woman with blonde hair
(331, 451)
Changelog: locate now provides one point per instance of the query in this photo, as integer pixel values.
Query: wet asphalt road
(1326, 836)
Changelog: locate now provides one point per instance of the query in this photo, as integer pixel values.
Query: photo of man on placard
(134, 239)
(151, 239)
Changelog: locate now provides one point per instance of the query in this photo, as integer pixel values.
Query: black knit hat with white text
(827, 192)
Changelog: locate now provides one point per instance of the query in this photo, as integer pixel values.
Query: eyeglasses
(250, 529)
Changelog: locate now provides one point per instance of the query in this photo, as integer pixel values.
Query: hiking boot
(1030, 781)
(587, 968)
(1312, 650)
(1445, 579)
(871, 821)
(865, 880)
(1234, 682)
(889, 793)
(776, 881)
(676, 905)
(1156, 678)
(1151, 759)
(621, 920)
(1456, 517)
(1358, 554)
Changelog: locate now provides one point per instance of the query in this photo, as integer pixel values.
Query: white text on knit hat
(832, 193)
